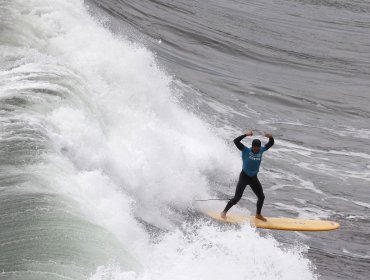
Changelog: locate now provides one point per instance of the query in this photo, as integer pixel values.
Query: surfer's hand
(268, 135)
(249, 133)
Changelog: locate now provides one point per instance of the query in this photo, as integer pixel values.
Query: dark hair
(256, 143)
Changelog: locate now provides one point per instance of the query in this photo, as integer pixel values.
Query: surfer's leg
(240, 187)
(257, 189)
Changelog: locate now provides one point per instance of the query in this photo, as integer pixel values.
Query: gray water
(300, 69)
(116, 116)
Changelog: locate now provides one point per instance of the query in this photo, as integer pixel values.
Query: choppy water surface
(116, 116)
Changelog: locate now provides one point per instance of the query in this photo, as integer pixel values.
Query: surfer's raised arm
(270, 142)
(240, 138)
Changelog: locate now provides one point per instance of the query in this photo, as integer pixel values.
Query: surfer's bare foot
(223, 215)
(260, 217)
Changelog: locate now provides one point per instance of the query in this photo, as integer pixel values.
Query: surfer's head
(256, 146)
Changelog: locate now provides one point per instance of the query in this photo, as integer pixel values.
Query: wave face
(297, 68)
(109, 138)
(97, 154)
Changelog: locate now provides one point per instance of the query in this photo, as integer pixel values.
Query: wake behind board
(276, 223)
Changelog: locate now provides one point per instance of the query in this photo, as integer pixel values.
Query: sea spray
(117, 148)
(204, 250)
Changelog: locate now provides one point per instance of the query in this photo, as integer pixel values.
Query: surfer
(248, 176)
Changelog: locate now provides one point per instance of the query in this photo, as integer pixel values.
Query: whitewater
(104, 156)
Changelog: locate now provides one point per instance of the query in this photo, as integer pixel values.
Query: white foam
(363, 204)
(123, 147)
(362, 133)
(206, 252)
(130, 128)
(290, 177)
(305, 212)
(355, 255)
(351, 154)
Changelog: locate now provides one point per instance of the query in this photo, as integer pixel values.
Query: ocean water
(117, 121)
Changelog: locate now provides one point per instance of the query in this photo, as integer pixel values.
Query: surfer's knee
(234, 200)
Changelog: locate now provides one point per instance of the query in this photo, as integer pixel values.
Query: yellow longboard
(277, 223)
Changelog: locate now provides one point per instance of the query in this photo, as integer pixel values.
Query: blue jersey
(252, 161)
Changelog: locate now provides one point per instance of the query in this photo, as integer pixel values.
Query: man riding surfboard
(252, 158)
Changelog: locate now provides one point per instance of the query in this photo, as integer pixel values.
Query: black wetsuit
(252, 180)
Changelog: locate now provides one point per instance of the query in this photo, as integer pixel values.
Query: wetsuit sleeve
(269, 143)
(237, 142)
